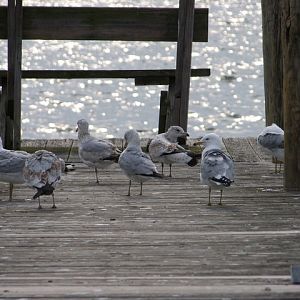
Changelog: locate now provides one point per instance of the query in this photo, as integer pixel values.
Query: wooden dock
(101, 244)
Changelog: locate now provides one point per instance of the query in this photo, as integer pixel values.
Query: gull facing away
(94, 152)
(164, 148)
(272, 139)
(12, 164)
(42, 171)
(216, 167)
(136, 164)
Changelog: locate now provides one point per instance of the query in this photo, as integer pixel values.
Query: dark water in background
(230, 102)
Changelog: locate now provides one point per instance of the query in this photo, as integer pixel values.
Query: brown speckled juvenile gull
(164, 148)
(42, 171)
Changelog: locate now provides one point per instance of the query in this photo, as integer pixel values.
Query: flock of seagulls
(43, 170)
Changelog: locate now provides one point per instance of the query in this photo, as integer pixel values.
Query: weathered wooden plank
(159, 76)
(290, 35)
(241, 150)
(259, 150)
(73, 154)
(105, 23)
(156, 80)
(183, 292)
(169, 237)
(33, 145)
(62, 147)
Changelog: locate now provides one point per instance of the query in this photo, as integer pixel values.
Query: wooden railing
(183, 25)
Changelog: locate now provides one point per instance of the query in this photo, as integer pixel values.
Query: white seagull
(216, 167)
(164, 148)
(272, 139)
(12, 164)
(42, 171)
(137, 165)
(94, 152)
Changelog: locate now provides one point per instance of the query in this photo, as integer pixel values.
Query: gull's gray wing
(216, 164)
(271, 140)
(95, 150)
(12, 164)
(135, 162)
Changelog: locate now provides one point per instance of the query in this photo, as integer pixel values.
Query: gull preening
(272, 139)
(42, 171)
(164, 148)
(12, 164)
(95, 153)
(216, 167)
(136, 164)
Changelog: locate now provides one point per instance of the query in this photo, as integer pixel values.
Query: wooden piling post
(290, 35)
(14, 20)
(2, 109)
(163, 111)
(180, 101)
(272, 52)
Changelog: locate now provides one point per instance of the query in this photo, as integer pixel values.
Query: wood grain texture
(165, 244)
(272, 52)
(103, 23)
(290, 36)
(183, 64)
(160, 76)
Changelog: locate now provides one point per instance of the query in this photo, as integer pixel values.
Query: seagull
(136, 164)
(216, 167)
(164, 148)
(42, 171)
(272, 139)
(94, 152)
(12, 164)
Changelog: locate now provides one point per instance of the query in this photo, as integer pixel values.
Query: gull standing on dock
(216, 167)
(272, 139)
(94, 152)
(136, 164)
(42, 171)
(12, 164)
(164, 148)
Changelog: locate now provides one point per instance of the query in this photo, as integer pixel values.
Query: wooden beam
(11, 55)
(272, 52)
(156, 80)
(104, 23)
(291, 91)
(18, 74)
(180, 101)
(170, 107)
(160, 76)
(3, 105)
(163, 107)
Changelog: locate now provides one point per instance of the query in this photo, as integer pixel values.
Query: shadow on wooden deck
(99, 243)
